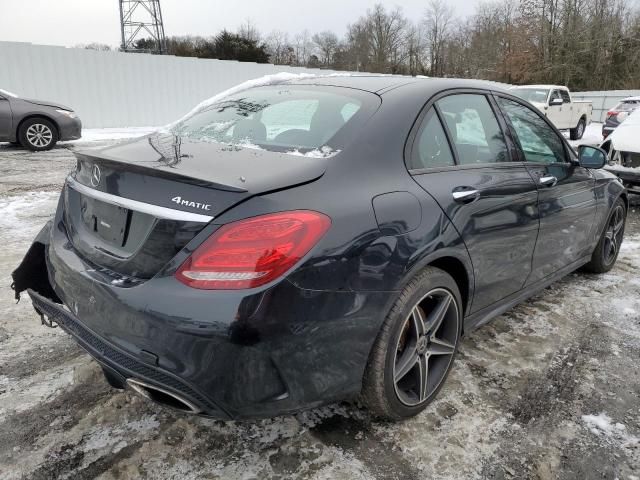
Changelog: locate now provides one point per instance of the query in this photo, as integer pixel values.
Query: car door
(5, 118)
(566, 191)
(461, 157)
(570, 118)
(556, 113)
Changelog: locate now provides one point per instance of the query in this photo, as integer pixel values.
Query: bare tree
(438, 19)
(101, 47)
(303, 47)
(249, 31)
(280, 50)
(326, 42)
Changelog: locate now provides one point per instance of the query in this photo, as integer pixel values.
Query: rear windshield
(536, 95)
(300, 120)
(627, 105)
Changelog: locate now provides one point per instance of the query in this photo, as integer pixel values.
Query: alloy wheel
(580, 129)
(613, 235)
(39, 135)
(426, 346)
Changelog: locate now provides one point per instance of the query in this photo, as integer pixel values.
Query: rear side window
(555, 95)
(431, 148)
(538, 141)
(565, 96)
(475, 131)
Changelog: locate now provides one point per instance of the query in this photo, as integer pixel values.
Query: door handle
(465, 196)
(548, 180)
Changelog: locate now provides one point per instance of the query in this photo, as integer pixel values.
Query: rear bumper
(120, 363)
(233, 354)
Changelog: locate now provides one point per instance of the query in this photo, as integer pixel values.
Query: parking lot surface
(551, 389)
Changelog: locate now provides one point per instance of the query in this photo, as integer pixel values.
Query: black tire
(605, 254)
(38, 134)
(398, 344)
(578, 132)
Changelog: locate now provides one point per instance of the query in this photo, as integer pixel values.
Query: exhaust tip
(163, 397)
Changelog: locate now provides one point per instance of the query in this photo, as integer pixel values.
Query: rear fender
(32, 273)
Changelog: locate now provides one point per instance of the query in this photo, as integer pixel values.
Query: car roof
(380, 84)
(631, 99)
(541, 86)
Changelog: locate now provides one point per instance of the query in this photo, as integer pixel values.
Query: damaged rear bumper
(228, 355)
(120, 366)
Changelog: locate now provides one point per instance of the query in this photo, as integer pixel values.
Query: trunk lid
(130, 208)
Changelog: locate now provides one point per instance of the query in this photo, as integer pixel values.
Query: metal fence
(604, 101)
(114, 89)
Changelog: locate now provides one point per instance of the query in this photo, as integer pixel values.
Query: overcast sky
(72, 22)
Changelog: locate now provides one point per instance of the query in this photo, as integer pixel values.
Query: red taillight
(252, 252)
(611, 113)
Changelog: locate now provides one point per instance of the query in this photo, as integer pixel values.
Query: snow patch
(322, 152)
(106, 134)
(101, 437)
(602, 425)
(23, 215)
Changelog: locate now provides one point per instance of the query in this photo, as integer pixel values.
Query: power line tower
(142, 19)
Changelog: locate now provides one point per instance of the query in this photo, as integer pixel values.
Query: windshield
(300, 120)
(533, 95)
(8, 94)
(627, 105)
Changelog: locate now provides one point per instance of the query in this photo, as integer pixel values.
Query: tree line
(585, 44)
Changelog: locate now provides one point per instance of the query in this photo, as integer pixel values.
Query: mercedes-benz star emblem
(95, 176)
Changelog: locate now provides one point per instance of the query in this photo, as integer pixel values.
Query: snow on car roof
(8, 94)
(631, 99)
(625, 137)
(275, 79)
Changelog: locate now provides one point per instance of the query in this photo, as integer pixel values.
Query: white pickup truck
(556, 103)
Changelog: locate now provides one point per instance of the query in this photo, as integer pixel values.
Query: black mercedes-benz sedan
(316, 240)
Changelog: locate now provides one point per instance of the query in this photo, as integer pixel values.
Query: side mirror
(556, 102)
(591, 157)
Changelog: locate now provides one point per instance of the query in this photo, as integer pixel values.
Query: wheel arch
(37, 115)
(454, 267)
(455, 263)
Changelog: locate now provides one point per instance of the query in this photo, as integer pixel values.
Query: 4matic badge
(187, 203)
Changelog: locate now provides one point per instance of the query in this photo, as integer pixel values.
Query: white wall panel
(113, 89)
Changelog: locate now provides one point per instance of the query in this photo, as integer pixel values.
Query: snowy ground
(548, 390)
(592, 136)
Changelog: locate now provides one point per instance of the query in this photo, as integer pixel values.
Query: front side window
(289, 119)
(476, 134)
(565, 96)
(538, 141)
(431, 148)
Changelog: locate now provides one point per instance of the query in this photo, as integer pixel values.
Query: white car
(556, 103)
(623, 148)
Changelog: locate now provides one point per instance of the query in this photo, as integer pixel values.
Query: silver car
(35, 124)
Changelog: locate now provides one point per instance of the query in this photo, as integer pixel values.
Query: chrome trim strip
(155, 210)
